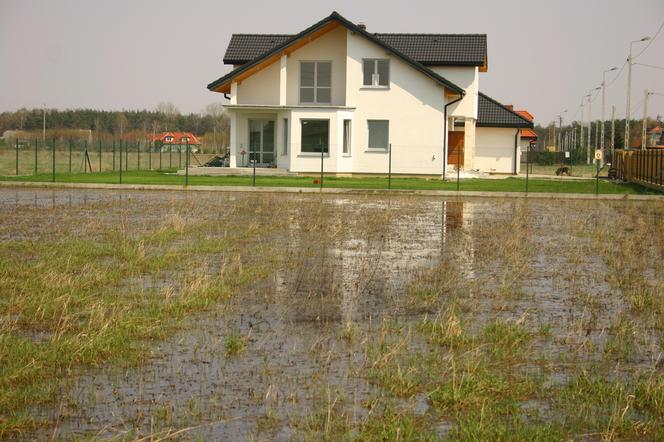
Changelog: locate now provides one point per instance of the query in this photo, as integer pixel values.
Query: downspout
(445, 138)
(516, 147)
(227, 97)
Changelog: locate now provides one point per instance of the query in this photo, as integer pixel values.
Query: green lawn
(495, 185)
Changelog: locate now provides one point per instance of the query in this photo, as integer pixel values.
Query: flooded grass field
(232, 316)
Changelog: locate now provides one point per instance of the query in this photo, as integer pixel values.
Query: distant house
(527, 134)
(655, 137)
(176, 141)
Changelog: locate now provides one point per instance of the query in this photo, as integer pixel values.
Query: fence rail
(644, 167)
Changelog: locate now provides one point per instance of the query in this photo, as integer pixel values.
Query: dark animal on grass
(563, 170)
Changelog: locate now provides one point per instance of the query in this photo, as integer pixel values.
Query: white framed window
(169, 139)
(285, 148)
(315, 135)
(315, 82)
(347, 137)
(379, 134)
(376, 72)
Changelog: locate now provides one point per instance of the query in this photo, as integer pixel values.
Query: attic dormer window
(169, 138)
(375, 72)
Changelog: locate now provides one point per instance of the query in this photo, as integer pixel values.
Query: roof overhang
(333, 21)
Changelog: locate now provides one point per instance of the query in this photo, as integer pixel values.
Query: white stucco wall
(260, 88)
(413, 104)
(328, 47)
(468, 79)
(494, 150)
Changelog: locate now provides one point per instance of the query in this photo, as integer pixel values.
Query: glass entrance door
(261, 142)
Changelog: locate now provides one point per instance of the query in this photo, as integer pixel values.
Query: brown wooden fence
(644, 167)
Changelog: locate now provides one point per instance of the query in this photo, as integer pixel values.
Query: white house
(337, 94)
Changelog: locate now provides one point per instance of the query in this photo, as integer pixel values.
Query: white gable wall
(260, 88)
(413, 104)
(494, 150)
(328, 47)
(468, 79)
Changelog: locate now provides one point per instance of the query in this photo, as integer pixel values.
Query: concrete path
(447, 193)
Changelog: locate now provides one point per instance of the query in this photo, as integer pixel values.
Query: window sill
(374, 150)
(312, 155)
(375, 88)
(346, 155)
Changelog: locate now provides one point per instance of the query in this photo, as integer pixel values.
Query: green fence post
(70, 147)
(170, 156)
(138, 154)
(16, 156)
(180, 156)
(127, 156)
(597, 178)
(160, 151)
(186, 166)
(113, 154)
(53, 162)
(99, 141)
(321, 166)
(36, 149)
(149, 156)
(120, 161)
(253, 180)
(389, 169)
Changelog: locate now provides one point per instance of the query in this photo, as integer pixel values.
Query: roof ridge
(424, 34)
(255, 33)
(353, 27)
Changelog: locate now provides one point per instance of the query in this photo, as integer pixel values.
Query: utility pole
(590, 128)
(629, 88)
(560, 135)
(602, 146)
(613, 131)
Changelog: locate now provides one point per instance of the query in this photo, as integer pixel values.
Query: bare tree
(170, 111)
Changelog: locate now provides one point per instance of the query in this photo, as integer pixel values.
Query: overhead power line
(650, 42)
(649, 66)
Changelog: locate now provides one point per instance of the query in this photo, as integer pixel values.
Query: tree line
(212, 122)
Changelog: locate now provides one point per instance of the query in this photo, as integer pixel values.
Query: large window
(379, 134)
(315, 136)
(376, 72)
(346, 147)
(315, 82)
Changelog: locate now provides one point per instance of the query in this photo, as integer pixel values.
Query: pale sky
(131, 54)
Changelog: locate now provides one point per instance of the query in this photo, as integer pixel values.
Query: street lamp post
(603, 103)
(629, 89)
(590, 121)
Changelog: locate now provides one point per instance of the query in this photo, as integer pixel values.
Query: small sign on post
(598, 155)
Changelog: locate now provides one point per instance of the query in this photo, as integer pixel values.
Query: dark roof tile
(491, 113)
(428, 49)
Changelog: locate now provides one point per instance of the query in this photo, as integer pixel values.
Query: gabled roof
(427, 49)
(222, 84)
(491, 113)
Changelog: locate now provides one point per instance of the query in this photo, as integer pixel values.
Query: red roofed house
(175, 141)
(527, 134)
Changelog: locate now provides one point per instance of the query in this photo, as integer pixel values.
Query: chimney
(362, 26)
